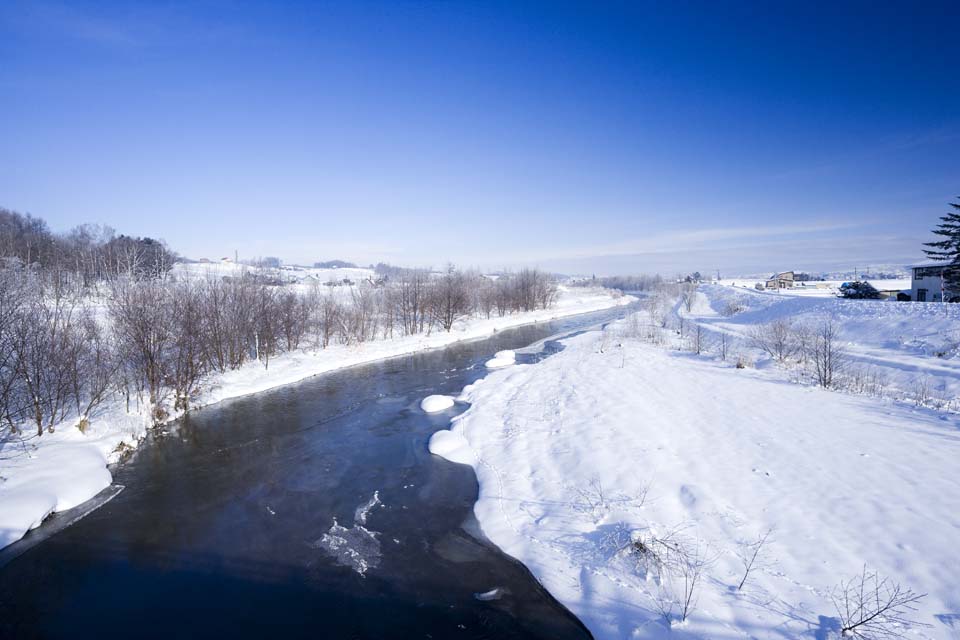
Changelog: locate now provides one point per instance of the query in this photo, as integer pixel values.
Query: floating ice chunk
(360, 515)
(433, 404)
(356, 547)
(452, 446)
(502, 359)
(494, 594)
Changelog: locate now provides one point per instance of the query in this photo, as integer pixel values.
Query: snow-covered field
(58, 471)
(616, 440)
(914, 347)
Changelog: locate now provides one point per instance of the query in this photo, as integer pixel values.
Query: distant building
(926, 283)
(780, 281)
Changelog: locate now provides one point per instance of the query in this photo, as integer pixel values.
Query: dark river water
(312, 510)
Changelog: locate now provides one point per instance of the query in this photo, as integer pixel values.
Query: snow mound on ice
(502, 359)
(433, 404)
(452, 446)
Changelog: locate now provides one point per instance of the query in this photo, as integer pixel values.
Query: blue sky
(593, 137)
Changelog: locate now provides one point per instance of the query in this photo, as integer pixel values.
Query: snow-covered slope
(912, 344)
(59, 471)
(614, 435)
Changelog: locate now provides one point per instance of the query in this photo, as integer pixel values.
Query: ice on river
(360, 515)
(356, 547)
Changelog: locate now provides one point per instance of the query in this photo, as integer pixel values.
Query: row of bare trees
(154, 341)
(82, 257)
(55, 357)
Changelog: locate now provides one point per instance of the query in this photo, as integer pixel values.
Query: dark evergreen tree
(947, 250)
(859, 290)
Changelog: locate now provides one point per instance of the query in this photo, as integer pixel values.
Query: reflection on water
(314, 510)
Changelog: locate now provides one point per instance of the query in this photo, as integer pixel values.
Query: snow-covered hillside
(59, 471)
(588, 458)
(292, 274)
(913, 346)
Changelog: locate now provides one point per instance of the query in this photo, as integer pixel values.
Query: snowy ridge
(573, 472)
(910, 343)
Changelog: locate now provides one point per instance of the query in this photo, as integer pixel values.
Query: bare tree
(293, 312)
(13, 296)
(828, 353)
(185, 363)
(874, 608)
(450, 298)
(688, 295)
(43, 347)
(698, 338)
(94, 367)
(750, 552)
(141, 324)
(775, 339)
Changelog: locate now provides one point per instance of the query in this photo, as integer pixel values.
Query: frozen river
(313, 510)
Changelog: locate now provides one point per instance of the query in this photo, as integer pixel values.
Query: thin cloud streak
(689, 240)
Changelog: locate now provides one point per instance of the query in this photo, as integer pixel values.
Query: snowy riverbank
(613, 437)
(58, 471)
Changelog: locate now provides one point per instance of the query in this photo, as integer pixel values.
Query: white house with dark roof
(926, 284)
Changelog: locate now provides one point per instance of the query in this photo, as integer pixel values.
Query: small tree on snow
(828, 354)
(871, 607)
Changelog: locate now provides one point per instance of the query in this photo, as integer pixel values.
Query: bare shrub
(750, 552)
(872, 607)
(679, 585)
(920, 392)
(868, 380)
(673, 561)
(776, 339)
(632, 327)
(596, 501)
(732, 309)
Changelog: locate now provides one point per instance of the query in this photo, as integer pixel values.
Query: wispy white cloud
(691, 240)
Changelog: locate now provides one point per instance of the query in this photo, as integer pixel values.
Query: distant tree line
(152, 338)
(85, 255)
(334, 264)
(625, 283)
